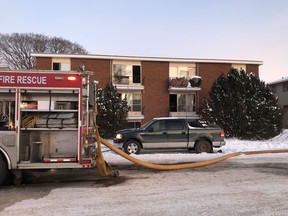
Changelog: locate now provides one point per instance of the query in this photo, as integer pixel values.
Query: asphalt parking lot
(244, 186)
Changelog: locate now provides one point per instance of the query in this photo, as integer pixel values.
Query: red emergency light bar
(71, 78)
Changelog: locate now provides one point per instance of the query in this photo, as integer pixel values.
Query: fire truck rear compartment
(49, 126)
(48, 146)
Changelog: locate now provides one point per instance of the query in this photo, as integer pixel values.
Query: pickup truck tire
(132, 147)
(3, 170)
(203, 146)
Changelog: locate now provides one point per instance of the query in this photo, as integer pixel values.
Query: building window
(61, 66)
(136, 74)
(134, 101)
(285, 87)
(274, 89)
(182, 103)
(133, 125)
(126, 74)
(239, 66)
(186, 70)
(56, 66)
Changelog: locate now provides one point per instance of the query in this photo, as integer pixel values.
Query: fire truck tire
(3, 170)
(132, 147)
(203, 146)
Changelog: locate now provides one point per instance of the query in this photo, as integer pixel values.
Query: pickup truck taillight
(222, 134)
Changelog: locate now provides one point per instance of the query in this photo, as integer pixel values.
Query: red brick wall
(43, 63)
(253, 68)
(209, 73)
(155, 98)
(101, 69)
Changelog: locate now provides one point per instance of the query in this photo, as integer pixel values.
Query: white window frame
(127, 77)
(65, 64)
(130, 100)
(182, 70)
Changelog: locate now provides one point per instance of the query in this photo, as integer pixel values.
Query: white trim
(129, 87)
(183, 114)
(138, 58)
(135, 117)
(184, 89)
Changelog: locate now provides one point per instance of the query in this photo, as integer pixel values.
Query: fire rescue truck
(46, 121)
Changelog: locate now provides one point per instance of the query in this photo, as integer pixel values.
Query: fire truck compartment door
(8, 140)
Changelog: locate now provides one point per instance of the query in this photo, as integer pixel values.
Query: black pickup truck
(168, 133)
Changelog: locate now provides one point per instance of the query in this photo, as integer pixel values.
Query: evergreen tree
(112, 111)
(243, 106)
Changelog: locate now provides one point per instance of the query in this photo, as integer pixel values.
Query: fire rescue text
(40, 80)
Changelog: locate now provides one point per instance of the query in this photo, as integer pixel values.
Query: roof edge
(282, 80)
(140, 58)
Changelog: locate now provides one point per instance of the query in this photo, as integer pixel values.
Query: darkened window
(175, 125)
(56, 66)
(182, 103)
(133, 124)
(173, 103)
(136, 74)
(285, 87)
(274, 89)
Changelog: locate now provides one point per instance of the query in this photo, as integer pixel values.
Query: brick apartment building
(154, 86)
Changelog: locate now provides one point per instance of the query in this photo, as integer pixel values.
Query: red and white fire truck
(46, 121)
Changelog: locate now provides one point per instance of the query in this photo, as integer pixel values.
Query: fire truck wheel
(132, 147)
(3, 169)
(203, 146)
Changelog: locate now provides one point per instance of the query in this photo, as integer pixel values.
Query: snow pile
(235, 145)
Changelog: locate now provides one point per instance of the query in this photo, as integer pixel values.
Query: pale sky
(209, 29)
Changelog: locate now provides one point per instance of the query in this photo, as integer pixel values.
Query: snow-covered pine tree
(112, 111)
(243, 106)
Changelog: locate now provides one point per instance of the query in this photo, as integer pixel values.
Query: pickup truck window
(175, 125)
(157, 126)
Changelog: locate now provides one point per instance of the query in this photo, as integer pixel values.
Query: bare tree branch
(16, 48)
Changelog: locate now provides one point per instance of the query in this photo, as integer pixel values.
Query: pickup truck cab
(168, 133)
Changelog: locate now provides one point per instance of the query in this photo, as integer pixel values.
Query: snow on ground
(181, 156)
(278, 142)
(142, 192)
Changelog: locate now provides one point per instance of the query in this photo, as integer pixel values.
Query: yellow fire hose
(177, 166)
(170, 166)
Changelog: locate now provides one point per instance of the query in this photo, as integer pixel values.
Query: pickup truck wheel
(132, 147)
(3, 170)
(203, 146)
